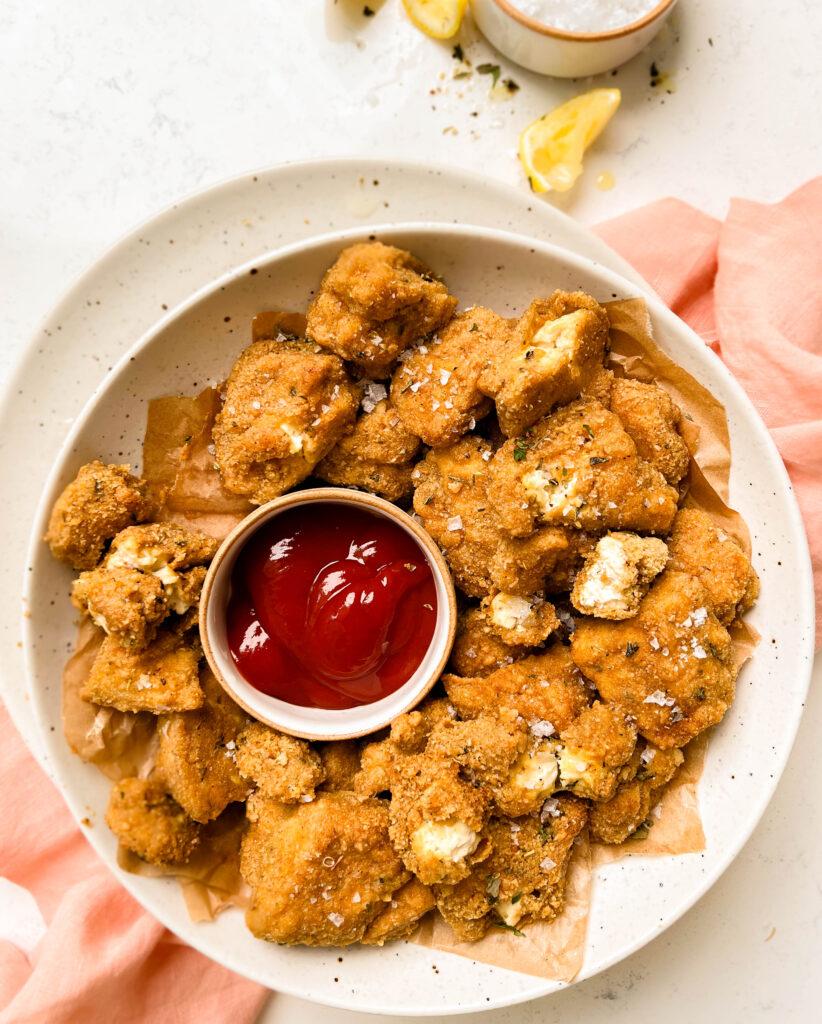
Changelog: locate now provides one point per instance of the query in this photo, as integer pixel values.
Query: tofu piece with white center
(444, 841)
(555, 495)
(296, 439)
(537, 770)
(509, 913)
(616, 575)
(508, 611)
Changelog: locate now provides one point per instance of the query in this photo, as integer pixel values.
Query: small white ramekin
(318, 723)
(553, 51)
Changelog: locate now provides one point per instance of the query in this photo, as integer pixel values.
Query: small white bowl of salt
(570, 38)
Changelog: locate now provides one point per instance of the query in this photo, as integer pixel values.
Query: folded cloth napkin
(750, 286)
(75, 946)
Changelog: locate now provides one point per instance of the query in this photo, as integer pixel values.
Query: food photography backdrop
(111, 112)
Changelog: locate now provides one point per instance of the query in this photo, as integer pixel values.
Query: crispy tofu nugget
(197, 756)
(162, 678)
(524, 878)
(614, 820)
(410, 732)
(286, 406)
(670, 667)
(158, 547)
(593, 748)
(340, 763)
(701, 549)
(617, 574)
(558, 344)
(478, 649)
(128, 604)
(149, 823)
(484, 747)
(520, 620)
(652, 418)
(97, 504)
(435, 389)
(402, 915)
(580, 469)
(282, 767)
(436, 818)
(320, 872)
(377, 455)
(376, 770)
(374, 302)
(543, 688)
(452, 500)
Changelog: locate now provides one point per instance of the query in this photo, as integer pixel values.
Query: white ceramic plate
(193, 345)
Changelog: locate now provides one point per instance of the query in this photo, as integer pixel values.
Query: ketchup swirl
(331, 607)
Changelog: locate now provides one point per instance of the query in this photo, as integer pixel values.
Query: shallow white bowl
(553, 51)
(194, 344)
(318, 723)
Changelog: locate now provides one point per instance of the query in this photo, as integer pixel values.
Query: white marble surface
(109, 111)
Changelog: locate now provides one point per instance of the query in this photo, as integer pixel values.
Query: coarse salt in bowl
(570, 38)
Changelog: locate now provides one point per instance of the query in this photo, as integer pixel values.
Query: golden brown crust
(128, 604)
(197, 757)
(670, 667)
(703, 550)
(281, 767)
(435, 389)
(616, 575)
(555, 348)
(340, 763)
(320, 872)
(148, 822)
(651, 417)
(162, 678)
(97, 504)
(375, 301)
(402, 915)
(286, 406)
(478, 649)
(578, 468)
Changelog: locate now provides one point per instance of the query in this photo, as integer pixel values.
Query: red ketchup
(331, 607)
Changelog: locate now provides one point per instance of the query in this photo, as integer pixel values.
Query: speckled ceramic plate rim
(682, 333)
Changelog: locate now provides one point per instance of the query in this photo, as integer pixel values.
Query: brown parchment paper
(178, 461)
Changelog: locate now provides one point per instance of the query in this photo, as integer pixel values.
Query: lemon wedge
(552, 147)
(439, 19)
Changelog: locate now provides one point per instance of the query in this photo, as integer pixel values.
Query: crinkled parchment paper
(178, 460)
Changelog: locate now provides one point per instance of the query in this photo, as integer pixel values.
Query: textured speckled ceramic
(319, 723)
(195, 344)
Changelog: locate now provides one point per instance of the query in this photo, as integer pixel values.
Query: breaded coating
(320, 872)
(377, 455)
(524, 877)
(702, 549)
(148, 822)
(375, 301)
(533, 777)
(578, 468)
(402, 915)
(652, 418)
(286, 406)
(197, 756)
(157, 547)
(97, 504)
(484, 747)
(282, 767)
(435, 818)
(478, 649)
(162, 678)
(670, 667)
(592, 749)
(410, 732)
(435, 388)
(520, 620)
(614, 820)
(555, 349)
(128, 604)
(616, 575)
(544, 688)
(340, 764)
(451, 499)
(376, 770)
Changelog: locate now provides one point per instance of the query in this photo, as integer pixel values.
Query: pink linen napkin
(751, 286)
(102, 958)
